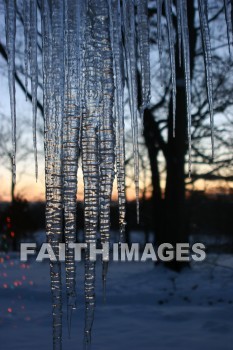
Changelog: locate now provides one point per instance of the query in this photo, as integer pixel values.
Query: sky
(26, 184)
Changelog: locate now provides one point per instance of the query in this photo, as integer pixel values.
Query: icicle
(208, 63)
(83, 75)
(10, 19)
(172, 57)
(90, 161)
(52, 29)
(227, 7)
(130, 52)
(34, 72)
(144, 51)
(104, 66)
(82, 19)
(186, 57)
(58, 91)
(26, 16)
(159, 31)
(116, 40)
(70, 145)
(91, 182)
(179, 29)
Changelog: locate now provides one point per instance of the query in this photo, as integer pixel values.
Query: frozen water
(168, 10)
(89, 49)
(10, 20)
(208, 62)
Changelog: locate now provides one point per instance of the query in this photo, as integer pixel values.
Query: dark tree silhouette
(171, 219)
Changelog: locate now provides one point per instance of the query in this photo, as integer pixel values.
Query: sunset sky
(26, 185)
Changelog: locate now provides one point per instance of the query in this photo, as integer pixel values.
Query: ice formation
(89, 49)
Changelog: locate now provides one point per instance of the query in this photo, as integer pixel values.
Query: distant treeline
(209, 214)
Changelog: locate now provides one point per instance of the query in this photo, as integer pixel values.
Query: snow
(147, 307)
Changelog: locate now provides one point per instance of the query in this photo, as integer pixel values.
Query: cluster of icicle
(183, 45)
(89, 49)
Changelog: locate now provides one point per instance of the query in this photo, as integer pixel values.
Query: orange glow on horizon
(34, 192)
(27, 188)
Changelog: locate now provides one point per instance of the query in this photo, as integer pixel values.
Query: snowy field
(147, 307)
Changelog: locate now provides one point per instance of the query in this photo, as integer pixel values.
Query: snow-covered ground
(147, 307)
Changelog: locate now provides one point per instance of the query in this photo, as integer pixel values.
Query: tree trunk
(171, 224)
(176, 219)
(150, 136)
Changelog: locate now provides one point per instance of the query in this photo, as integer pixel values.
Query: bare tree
(171, 224)
(23, 151)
